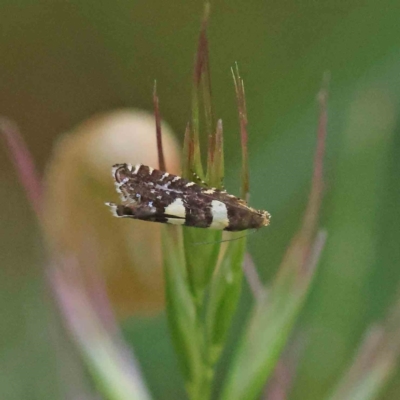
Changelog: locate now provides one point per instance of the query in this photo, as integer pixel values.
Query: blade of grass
(215, 164)
(181, 311)
(252, 278)
(110, 362)
(157, 116)
(268, 331)
(23, 163)
(201, 69)
(202, 245)
(241, 104)
(374, 364)
(273, 318)
(279, 386)
(205, 74)
(187, 154)
(202, 248)
(223, 296)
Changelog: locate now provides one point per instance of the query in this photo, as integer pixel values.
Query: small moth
(152, 195)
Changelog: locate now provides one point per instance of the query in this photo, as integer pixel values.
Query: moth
(149, 194)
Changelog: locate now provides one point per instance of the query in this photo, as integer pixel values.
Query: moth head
(257, 219)
(265, 217)
(243, 217)
(121, 171)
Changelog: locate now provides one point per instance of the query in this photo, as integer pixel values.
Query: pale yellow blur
(77, 223)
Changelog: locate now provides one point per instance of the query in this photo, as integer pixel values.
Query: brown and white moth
(152, 195)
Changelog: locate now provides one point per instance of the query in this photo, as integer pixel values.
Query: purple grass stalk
(206, 74)
(280, 384)
(278, 387)
(30, 180)
(316, 250)
(79, 308)
(311, 215)
(94, 338)
(252, 278)
(96, 286)
(218, 153)
(23, 163)
(157, 116)
(310, 221)
(376, 359)
(202, 47)
(301, 245)
(201, 87)
(188, 149)
(242, 110)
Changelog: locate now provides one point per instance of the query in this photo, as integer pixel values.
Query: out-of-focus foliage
(63, 61)
(78, 181)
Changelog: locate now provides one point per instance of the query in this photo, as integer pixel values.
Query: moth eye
(121, 172)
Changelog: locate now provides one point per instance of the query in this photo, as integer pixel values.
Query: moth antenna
(226, 240)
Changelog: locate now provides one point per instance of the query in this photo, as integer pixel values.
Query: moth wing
(176, 209)
(224, 197)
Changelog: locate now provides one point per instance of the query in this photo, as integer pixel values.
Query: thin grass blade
(157, 116)
(181, 311)
(224, 294)
(242, 110)
(110, 363)
(274, 316)
(23, 162)
(201, 90)
(374, 364)
(215, 164)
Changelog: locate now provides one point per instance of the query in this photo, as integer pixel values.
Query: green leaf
(273, 318)
(223, 296)
(201, 253)
(181, 311)
(269, 327)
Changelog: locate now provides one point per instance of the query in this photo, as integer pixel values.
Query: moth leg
(132, 210)
(174, 221)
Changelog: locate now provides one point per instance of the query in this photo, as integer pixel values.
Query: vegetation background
(62, 61)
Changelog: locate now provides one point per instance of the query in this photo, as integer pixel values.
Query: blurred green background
(62, 61)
